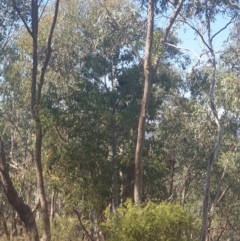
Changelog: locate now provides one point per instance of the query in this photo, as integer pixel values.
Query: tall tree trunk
(17, 203)
(36, 90)
(53, 206)
(215, 150)
(40, 184)
(144, 105)
(35, 101)
(149, 72)
(115, 196)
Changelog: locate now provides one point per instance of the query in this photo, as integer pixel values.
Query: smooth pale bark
(213, 154)
(215, 150)
(15, 201)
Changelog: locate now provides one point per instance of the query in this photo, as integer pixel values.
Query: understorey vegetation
(119, 120)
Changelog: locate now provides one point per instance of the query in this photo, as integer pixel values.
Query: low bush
(153, 222)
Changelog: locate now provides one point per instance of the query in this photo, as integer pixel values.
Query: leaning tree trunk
(17, 202)
(149, 72)
(144, 105)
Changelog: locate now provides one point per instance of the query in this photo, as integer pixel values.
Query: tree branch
(21, 17)
(36, 206)
(166, 32)
(201, 36)
(14, 199)
(231, 21)
(43, 10)
(82, 226)
(60, 135)
(223, 194)
(234, 4)
(177, 47)
(49, 52)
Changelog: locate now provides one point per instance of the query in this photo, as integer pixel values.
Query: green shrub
(154, 222)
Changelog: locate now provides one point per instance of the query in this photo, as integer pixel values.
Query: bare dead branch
(178, 47)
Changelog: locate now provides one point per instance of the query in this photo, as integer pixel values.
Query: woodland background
(110, 130)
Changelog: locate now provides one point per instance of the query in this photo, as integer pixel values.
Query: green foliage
(153, 222)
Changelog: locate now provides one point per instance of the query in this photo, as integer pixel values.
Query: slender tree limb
(172, 20)
(21, 17)
(230, 22)
(82, 226)
(166, 32)
(178, 47)
(43, 9)
(49, 52)
(36, 206)
(223, 194)
(200, 35)
(60, 135)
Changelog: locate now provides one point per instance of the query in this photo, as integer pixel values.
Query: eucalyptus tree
(150, 69)
(24, 11)
(208, 43)
(93, 90)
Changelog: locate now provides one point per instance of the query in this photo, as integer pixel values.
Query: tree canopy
(111, 128)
